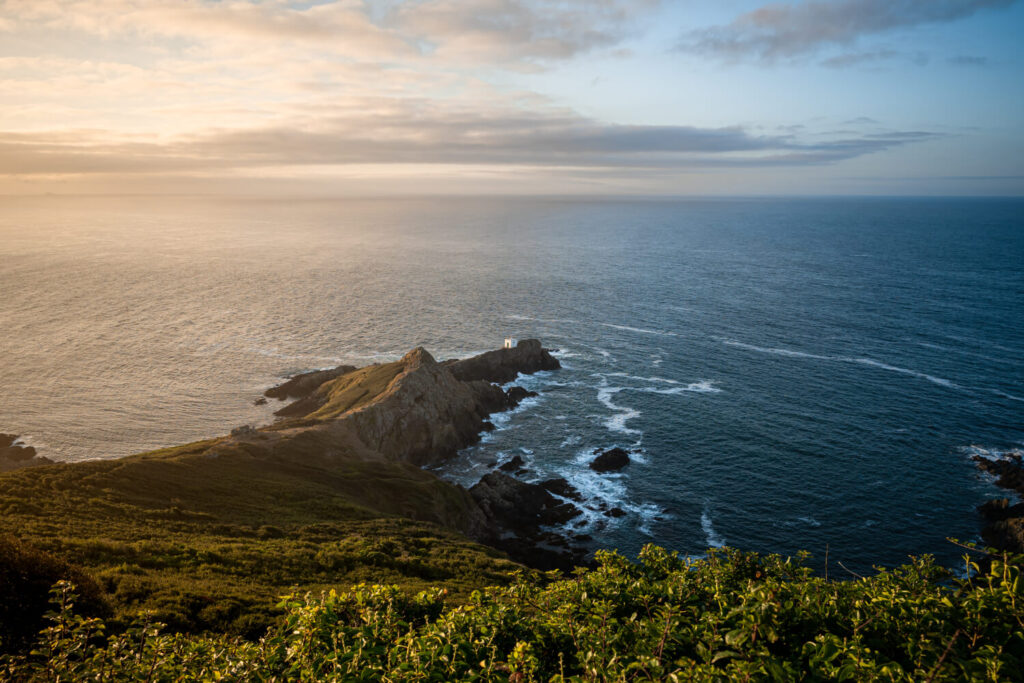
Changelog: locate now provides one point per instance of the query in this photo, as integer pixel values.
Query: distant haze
(606, 97)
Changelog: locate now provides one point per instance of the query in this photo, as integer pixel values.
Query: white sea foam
(571, 440)
(643, 379)
(515, 316)
(712, 538)
(997, 392)
(904, 371)
(810, 521)
(623, 414)
(992, 453)
(701, 387)
(776, 351)
(639, 330)
(845, 359)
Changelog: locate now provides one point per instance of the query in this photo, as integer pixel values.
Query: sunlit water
(792, 374)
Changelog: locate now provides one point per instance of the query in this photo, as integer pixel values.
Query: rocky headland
(371, 432)
(422, 412)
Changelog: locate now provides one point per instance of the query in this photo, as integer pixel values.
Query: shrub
(731, 616)
(26, 575)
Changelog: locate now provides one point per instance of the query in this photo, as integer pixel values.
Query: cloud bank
(782, 31)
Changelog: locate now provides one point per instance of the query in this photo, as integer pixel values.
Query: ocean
(789, 373)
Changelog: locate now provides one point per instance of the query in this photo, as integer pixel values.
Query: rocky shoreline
(1004, 523)
(16, 455)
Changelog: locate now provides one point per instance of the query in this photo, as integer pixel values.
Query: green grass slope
(210, 534)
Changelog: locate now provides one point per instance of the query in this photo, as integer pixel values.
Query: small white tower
(510, 342)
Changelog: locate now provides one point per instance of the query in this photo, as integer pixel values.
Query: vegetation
(210, 543)
(26, 575)
(731, 616)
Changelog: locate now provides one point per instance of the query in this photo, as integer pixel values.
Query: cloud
(507, 32)
(851, 59)
(511, 30)
(434, 137)
(781, 31)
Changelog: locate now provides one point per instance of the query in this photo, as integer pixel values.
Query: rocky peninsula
(422, 412)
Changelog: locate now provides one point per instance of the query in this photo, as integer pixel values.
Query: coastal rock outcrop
(304, 384)
(15, 455)
(302, 387)
(502, 365)
(520, 510)
(612, 460)
(1004, 523)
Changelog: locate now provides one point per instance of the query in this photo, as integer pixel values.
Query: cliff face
(423, 415)
(418, 410)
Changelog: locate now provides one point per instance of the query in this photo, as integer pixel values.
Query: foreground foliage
(731, 616)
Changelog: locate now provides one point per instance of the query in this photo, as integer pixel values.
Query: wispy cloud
(782, 31)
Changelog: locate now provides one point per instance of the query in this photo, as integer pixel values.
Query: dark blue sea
(791, 374)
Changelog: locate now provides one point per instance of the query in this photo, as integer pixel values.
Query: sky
(594, 97)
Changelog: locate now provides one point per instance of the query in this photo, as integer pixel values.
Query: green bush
(26, 575)
(731, 616)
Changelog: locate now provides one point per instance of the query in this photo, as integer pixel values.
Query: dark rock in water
(515, 505)
(512, 465)
(518, 511)
(306, 383)
(616, 512)
(611, 460)
(1004, 528)
(561, 487)
(995, 509)
(515, 395)
(488, 426)
(502, 365)
(261, 401)
(14, 456)
(244, 430)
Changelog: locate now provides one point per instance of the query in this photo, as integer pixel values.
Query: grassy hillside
(210, 539)
(733, 616)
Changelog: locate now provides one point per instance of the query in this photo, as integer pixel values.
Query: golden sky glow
(630, 96)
